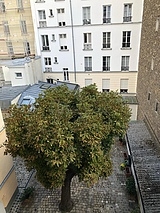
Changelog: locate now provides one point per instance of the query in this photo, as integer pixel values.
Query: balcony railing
(48, 69)
(88, 68)
(86, 21)
(106, 68)
(42, 24)
(127, 18)
(123, 90)
(124, 68)
(105, 90)
(106, 45)
(126, 44)
(87, 46)
(45, 47)
(106, 20)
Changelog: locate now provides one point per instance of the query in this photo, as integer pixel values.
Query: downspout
(74, 57)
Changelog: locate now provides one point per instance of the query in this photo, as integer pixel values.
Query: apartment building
(148, 87)
(89, 41)
(17, 44)
(8, 181)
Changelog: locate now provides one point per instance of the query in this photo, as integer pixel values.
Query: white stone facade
(67, 32)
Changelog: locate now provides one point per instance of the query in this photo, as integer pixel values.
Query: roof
(16, 62)
(146, 158)
(8, 93)
(32, 92)
(130, 99)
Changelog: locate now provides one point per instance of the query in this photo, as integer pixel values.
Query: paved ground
(107, 196)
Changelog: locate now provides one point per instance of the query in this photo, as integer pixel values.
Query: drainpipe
(74, 57)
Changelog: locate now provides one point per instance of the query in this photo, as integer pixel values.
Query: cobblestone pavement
(107, 196)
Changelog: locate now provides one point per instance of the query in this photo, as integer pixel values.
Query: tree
(67, 133)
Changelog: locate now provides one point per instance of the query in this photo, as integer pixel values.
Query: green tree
(67, 133)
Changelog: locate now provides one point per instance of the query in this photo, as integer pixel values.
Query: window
(107, 14)
(55, 60)
(23, 27)
(157, 23)
(126, 39)
(123, 85)
(51, 12)
(45, 42)
(87, 41)
(86, 15)
(88, 63)
(18, 75)
(10, 48)
(63, 41)
(27, 48)
(156, 106)
(2, 7)
(62, 23)
(66, 74)
(106, 40)
(53, 37)
(105, 85)
(149, 96)
(127, 13)
(20, 4)
(48, 69)
(61, 10)
(47, 61)
(106, 63)
(42, 14)
(125, 63)
(50, 80)
(6, 28)
(88, 82)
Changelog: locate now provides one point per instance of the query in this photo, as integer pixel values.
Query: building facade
(17, 32)
(8, 181)
(89, 41)
(148, 86)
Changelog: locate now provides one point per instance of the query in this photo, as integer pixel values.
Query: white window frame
(86, 15)
(47, 61)
(106, 13)
(10, 48)
(125, 63)
(42, 14)
(88, 82)
(18, 74)
(126, 39)
(23, 26)
(60, 10)
(127, 17)
(45, 42)
(124, 85)
(6, 28)
(27, 48)
(88, 63)
(66, 74)
(106, 63)
(87, 41)
(105, 85)
(106, 40)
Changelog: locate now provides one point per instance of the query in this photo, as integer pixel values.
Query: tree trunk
(66, 203)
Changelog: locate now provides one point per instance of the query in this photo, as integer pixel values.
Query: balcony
(45, 47)
(124, 68)
(106, 20)
(88, 68)
(127, 19)
(86, 21)
(106, 45)
(48, 69)
(123, 90)
(42, 24)
(126, 44)
(105, 90)
(87, 46)
(106, 68)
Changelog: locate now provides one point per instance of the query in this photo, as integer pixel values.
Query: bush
(28, 192)
(130, 185)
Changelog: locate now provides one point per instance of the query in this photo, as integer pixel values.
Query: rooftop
(146, 158)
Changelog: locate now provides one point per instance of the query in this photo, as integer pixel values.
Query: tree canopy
(67, 133)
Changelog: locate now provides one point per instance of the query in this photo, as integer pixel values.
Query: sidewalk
(107, 196)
